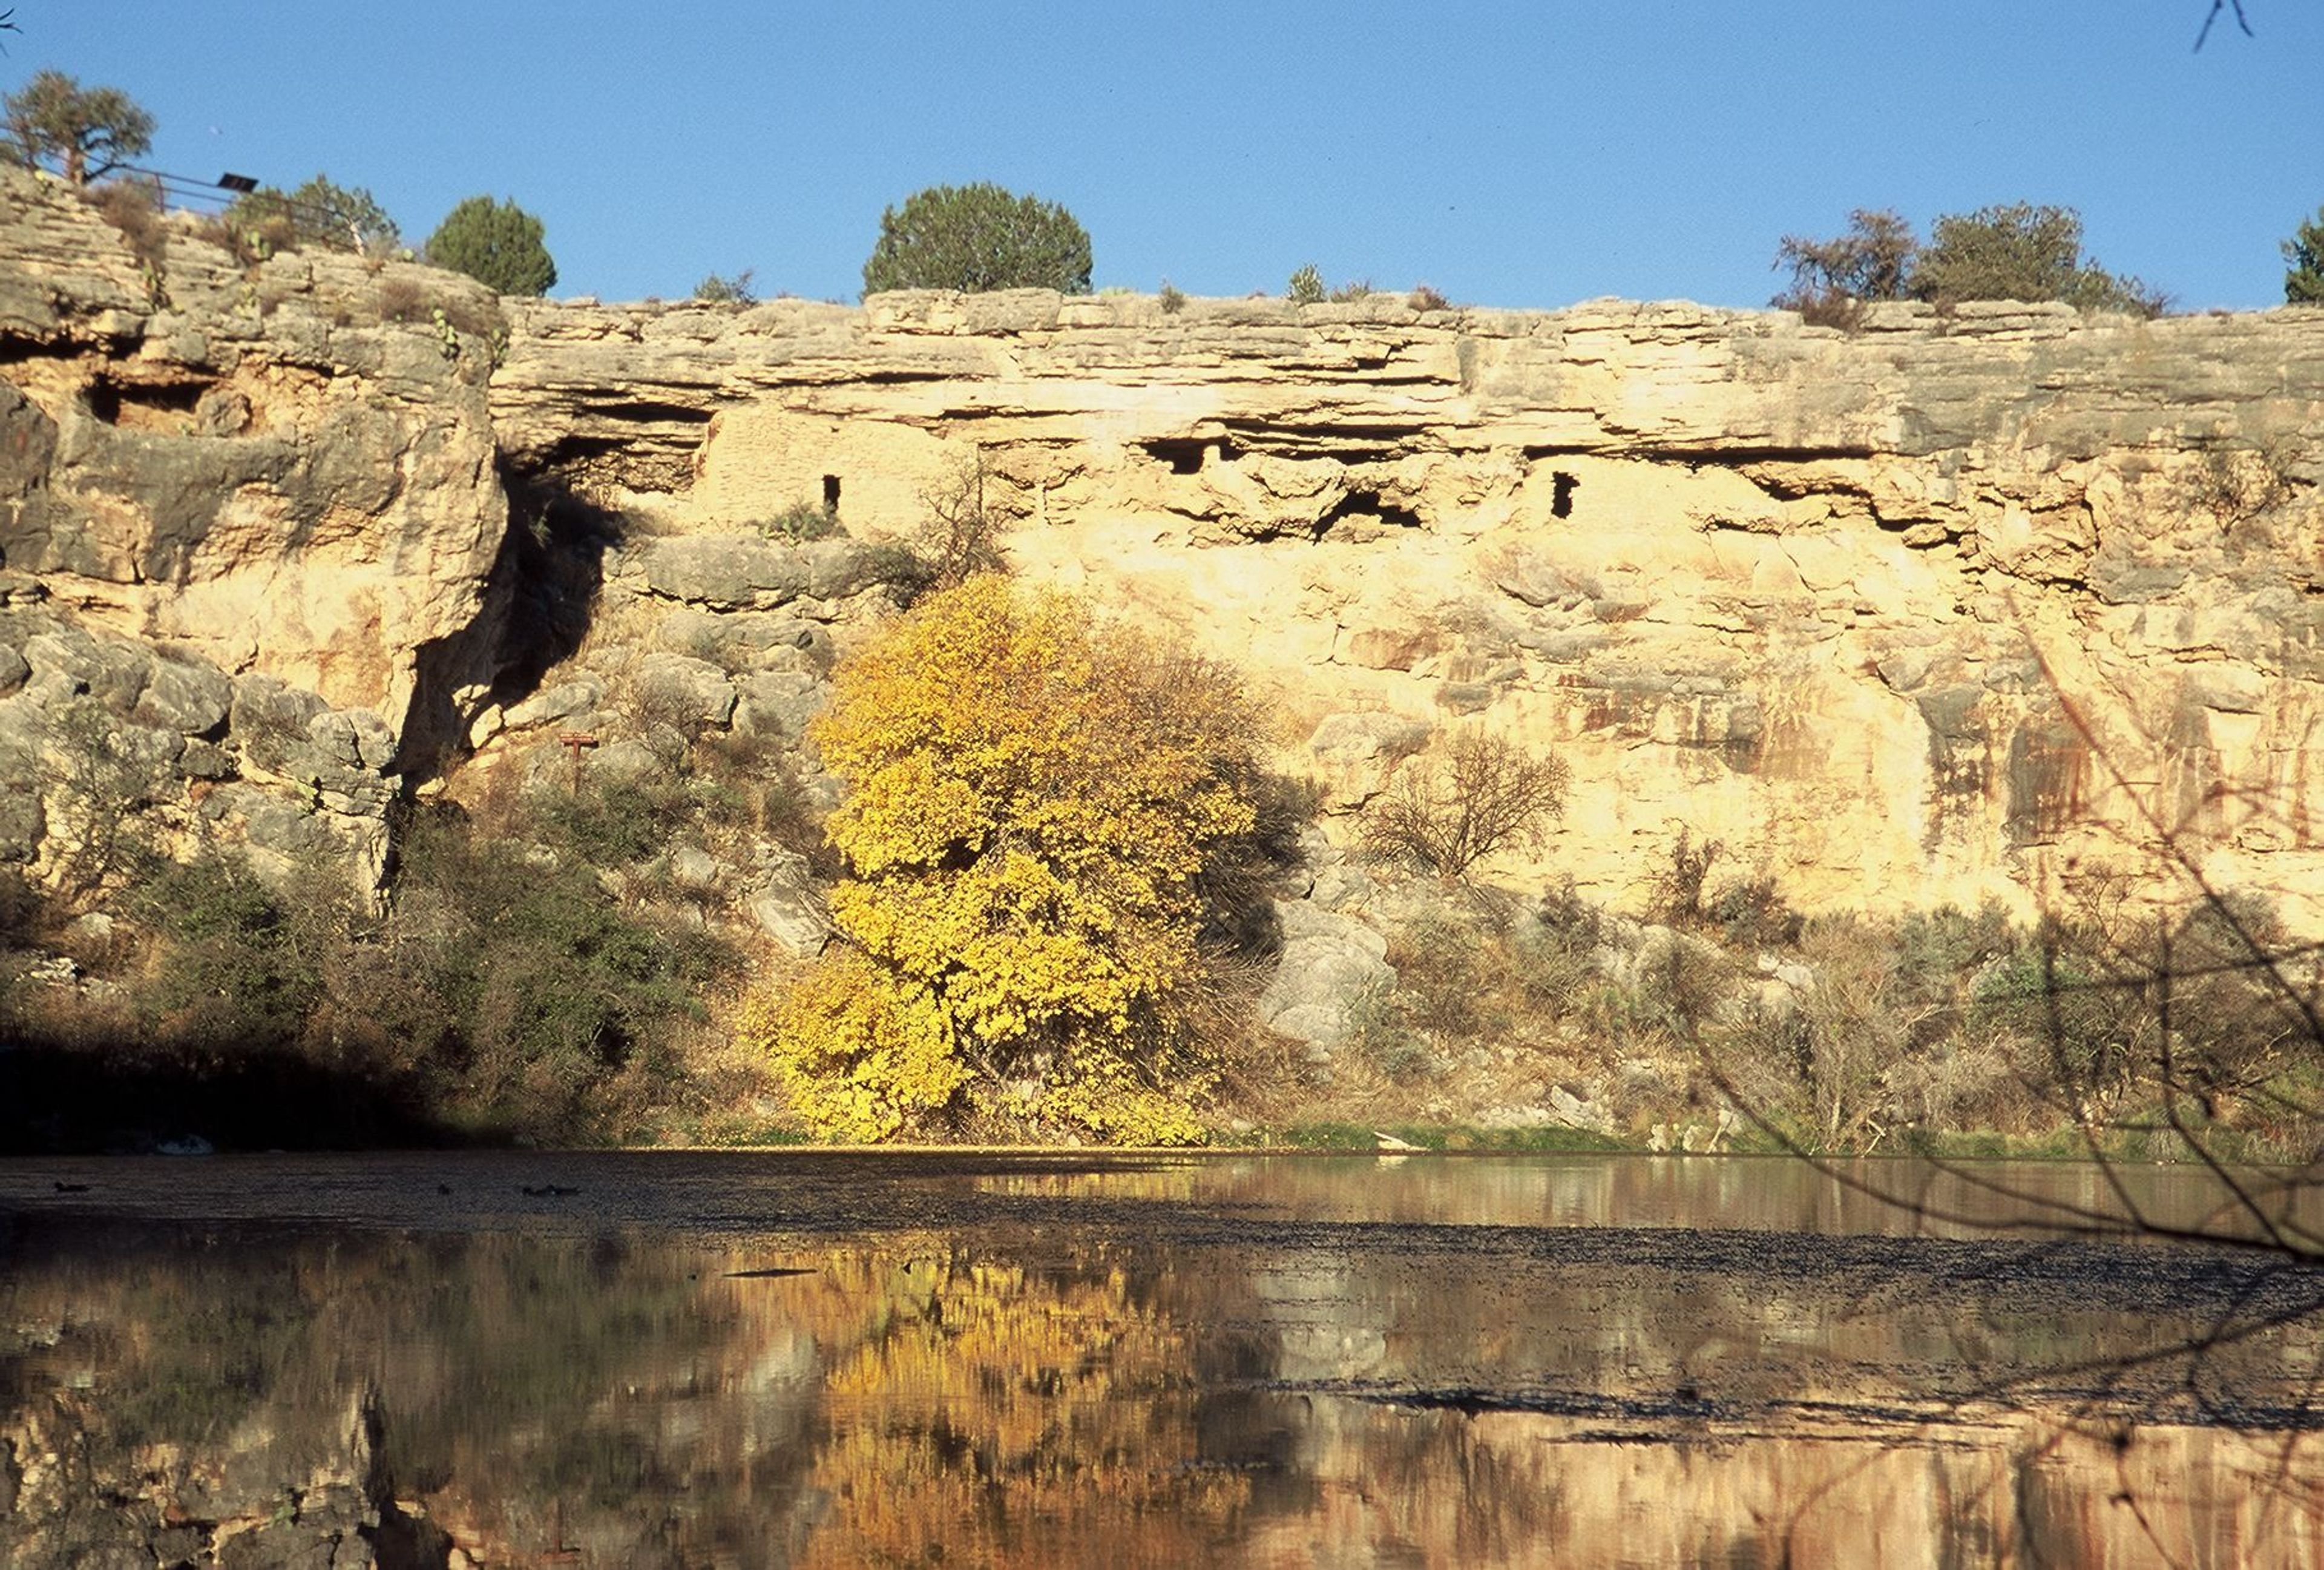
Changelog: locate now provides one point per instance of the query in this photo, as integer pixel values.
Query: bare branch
(2213, 16)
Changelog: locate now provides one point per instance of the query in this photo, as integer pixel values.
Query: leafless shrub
(135, 208)
(1678, 888)
(962, 532)
(2236, 485)
(401, 300)
(1833, 279)
(97, 810)
(959, 534)
(1484, 794)
(670, 718)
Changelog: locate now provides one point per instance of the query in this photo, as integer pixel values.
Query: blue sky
(1516, 154)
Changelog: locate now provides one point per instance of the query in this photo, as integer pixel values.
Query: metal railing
(186, 193)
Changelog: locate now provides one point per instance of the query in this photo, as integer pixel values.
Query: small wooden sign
(574, 742)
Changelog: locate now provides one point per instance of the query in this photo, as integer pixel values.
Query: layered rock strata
(248, 510)
(2008, 604)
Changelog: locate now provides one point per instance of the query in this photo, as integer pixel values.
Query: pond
(783, 1358)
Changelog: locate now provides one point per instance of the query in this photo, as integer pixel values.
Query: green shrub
(1754, 912)
(239, 968)
(977, 237)
(497, 243)
(2303, 278)
(550, 989)
(1174, 299)
(907, 575)
(321, 212)
(2015, 252)
(1306, 286)
(611, 824)
(718, 290)
(801, 522)
(2022, 251)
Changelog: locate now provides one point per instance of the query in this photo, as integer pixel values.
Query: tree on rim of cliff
(1830, 279)
(320, 212)
(2303, 277)
(86, 132)
(2023, 251)
(1031, 803)
(2017, 251)
(497, 243)
(978, 237)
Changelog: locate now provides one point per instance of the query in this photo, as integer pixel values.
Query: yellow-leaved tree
(1031, 799)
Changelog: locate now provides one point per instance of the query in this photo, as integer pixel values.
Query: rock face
(2005, 604)
(1995, 605)
(239, 507)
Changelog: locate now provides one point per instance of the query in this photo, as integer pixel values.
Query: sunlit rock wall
(243, 507)
(1949, 609)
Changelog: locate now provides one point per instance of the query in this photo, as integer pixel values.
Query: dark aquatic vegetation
(1041, 1360)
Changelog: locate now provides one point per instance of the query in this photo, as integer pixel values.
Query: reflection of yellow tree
(992, 1415)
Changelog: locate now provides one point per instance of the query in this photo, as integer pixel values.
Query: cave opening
(831, 495)
(1184, 454)
(1368, 505)
(1560, 494)
(108, 400)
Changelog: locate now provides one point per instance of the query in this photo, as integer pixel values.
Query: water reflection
(1426, 1372)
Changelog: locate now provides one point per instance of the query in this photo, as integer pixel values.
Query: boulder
(192, 700)
(1353, 753)
(677, 689)
(779, 704)
(269, 719)
(749, 640)
(353, 738)
(727, 571)
(22, 824)
(1332, 965)
(694, 869)
(789, 909)
(552, 704)
(68, 662)
(624, 761)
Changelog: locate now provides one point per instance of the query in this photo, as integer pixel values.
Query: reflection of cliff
(1980, 1489)
(1174, 1382)
(513, 1399)
(519, 1398)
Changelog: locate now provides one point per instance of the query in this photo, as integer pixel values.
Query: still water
(654, 1360)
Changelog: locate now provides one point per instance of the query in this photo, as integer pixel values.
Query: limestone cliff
(1995, 604)
(242, 509)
